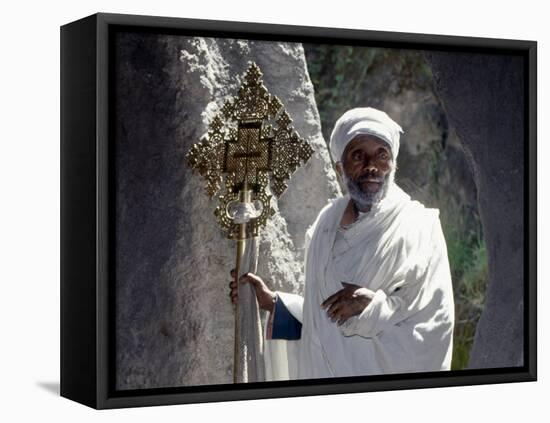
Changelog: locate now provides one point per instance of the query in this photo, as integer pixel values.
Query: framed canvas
(191, 148)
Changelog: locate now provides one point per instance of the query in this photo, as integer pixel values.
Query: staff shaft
(241, 244)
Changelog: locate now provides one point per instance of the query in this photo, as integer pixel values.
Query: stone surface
(174, 320)
(484, 99)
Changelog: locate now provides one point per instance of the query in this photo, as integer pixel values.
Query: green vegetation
(469, 272)
(341, 76)
(467, 255)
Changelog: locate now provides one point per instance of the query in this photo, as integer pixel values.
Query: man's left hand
(349, 301)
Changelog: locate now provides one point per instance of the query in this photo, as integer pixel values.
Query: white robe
(397, 250)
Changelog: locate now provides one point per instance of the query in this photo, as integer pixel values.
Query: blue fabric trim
(285, 325)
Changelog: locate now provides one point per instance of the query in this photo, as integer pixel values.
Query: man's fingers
(252, 279)
(338, 314)
(245, 278)
(335, 308)
(339, 311)
(344, 314)
(332, 298)
(342, 320)
(233, 291)
(340, 294)
(339, 305)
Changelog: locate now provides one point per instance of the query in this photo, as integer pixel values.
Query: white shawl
(408, 330)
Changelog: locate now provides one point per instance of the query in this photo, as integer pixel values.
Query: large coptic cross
(252, 144)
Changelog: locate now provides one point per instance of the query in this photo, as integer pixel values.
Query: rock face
(484, 98)
(174, 320)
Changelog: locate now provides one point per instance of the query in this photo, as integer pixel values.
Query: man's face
(365, 168)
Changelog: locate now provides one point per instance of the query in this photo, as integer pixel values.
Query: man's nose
(369, 166)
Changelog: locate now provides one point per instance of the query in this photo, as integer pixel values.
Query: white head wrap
(364, 120)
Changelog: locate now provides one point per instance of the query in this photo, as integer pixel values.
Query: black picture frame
(87, 363)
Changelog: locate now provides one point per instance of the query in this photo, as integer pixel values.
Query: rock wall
(174, 320)
(483, 95)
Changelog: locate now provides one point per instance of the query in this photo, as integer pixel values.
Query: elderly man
(378, 292)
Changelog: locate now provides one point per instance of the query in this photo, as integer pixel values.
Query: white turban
(364, 120)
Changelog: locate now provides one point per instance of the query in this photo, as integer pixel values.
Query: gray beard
(365, 200)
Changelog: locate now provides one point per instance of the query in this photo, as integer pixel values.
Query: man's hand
(349, 301)
(266, 297)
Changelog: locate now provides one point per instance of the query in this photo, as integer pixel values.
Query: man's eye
(356, 156)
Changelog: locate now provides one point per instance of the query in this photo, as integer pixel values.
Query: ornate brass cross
(252, 142)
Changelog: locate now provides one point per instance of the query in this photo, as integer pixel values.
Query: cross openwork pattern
(252, 143)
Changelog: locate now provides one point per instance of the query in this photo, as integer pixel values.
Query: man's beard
(364, 200)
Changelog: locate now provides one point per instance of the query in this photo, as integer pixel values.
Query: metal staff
(252, 142)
